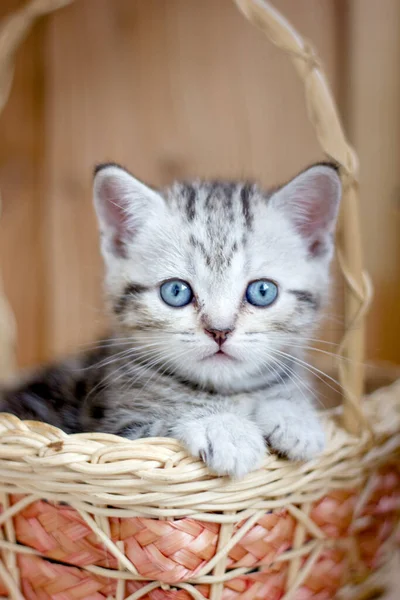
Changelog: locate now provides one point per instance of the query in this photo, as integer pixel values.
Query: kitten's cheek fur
(292, 430)
(228, 444)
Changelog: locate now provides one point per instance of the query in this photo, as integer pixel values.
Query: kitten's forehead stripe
(200, 246)
(208, 201)
(245, 195)
(190, 202)
(219, 215)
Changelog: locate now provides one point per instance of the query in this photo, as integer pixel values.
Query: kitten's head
(215, 280)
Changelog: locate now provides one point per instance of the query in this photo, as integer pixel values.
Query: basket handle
(324, 117)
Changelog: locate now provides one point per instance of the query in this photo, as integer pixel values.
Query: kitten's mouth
(220, 355)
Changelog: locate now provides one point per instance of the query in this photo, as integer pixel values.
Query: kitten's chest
(170, 396)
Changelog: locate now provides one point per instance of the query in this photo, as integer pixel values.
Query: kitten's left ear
(123, 205)
(311, 202)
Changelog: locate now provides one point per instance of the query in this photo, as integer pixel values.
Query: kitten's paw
(298, 439)
(227, 444)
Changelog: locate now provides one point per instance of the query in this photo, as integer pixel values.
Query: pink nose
(219, 335)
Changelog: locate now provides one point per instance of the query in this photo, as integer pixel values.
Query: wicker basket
(97, 517)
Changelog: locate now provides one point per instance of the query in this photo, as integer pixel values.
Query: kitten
(214, 289)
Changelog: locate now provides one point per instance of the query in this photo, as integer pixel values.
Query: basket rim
(157, 477)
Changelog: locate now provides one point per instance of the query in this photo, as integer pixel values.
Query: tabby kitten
(214, 288)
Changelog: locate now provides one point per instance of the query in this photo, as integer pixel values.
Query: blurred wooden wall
(181, 88)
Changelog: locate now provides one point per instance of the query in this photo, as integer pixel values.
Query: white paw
(229, 445)
(296, 438)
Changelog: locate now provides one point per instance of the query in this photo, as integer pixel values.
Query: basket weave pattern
(95, 517)
(175, 551)
(145, 520)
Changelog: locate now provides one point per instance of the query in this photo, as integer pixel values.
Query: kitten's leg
(291, 425)
(229, 443)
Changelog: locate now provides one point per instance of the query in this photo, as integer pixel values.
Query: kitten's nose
(219, 335)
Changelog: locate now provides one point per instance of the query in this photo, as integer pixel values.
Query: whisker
(312, 370)
(105, 343)
(286, 337)
(159, 373)
(124, 368)
(296, 379)
(331, 354)
(115, 357)
(163, 360)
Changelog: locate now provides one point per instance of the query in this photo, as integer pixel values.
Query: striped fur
(158, 373)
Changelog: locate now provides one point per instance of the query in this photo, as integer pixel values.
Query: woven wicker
(96, 517)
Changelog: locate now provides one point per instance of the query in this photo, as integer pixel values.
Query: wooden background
(174, 88)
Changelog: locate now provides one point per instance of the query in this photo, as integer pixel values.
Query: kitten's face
(217, 281)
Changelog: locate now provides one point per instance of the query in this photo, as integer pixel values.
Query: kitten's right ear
(122, 205)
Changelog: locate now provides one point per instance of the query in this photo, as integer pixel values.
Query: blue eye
(262, 292)
(176, 293)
